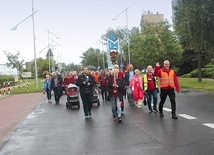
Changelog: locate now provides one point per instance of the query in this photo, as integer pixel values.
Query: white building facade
(4, 70)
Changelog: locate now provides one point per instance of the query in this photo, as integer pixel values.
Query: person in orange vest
(168, 82)
(96, 77)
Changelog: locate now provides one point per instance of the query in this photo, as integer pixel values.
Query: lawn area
(206, 84)
(27, 88)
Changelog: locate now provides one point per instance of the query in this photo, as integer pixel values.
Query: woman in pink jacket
(137, 88)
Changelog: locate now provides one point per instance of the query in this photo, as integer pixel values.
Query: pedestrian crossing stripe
(187, 116)
(211, 125)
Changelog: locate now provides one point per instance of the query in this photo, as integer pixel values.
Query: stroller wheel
(98, 103)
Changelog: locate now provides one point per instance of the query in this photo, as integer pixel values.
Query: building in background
(28, 64)
(4, 70)
(151, 18)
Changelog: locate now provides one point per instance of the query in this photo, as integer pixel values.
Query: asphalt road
(52, 129)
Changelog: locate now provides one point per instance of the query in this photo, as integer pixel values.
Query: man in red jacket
(168, 82)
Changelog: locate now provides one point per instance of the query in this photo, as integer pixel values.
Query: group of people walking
(58, 84)
(116, 85)
(147, 86)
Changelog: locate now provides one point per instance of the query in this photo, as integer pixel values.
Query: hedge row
(206, 73)
(7, 78)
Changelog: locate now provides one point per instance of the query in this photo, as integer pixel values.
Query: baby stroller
(72, 96)
(130, 97)
(96, 96)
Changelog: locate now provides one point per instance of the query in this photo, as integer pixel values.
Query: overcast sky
(79, 24)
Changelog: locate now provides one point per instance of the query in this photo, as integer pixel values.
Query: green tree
(93, 57)
(43, 67)
(72, 67)
(156, 43)
(193, 23)
(14, 62)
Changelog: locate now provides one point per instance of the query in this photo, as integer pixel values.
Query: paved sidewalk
(13, 109)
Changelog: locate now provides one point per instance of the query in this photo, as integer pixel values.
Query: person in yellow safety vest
(168, 82)
(150, 86)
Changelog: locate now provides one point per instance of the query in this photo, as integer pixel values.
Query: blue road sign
(112, 37)
(113, 45)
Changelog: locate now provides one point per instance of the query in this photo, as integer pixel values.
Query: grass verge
(27, 88)
(206, 84)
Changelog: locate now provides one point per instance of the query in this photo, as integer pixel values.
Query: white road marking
(211, 125)
(167, 109)
(187, 116)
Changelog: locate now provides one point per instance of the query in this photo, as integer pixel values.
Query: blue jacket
(47, 84)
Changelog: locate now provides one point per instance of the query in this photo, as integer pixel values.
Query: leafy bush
(6, 78)
(206, 73)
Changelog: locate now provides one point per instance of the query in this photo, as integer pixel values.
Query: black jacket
(59, 85)
(83, 81)
(120, 82)
(60, 82)
(127, 77)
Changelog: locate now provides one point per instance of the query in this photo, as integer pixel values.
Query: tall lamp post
(52, 45)
(34, 42)
(103, 55)
(49, 53)
(127, 24)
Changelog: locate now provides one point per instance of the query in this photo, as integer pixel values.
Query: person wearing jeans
(47, 87)
(115, 88)
(128, 76)
(150, 86)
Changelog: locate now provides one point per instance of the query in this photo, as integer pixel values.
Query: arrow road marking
(186, 116)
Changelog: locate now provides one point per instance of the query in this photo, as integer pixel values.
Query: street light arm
(127, 29)
(53, 34)
(120, 13)
(43, 50)
(15, 27)
(57, 44)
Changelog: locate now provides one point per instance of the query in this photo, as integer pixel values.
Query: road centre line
(187, 116)
(211, 125)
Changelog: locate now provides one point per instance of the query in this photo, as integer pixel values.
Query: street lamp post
(52, 45)
(128, 37)
(103, 56)
(49, 53)
(34, 42)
